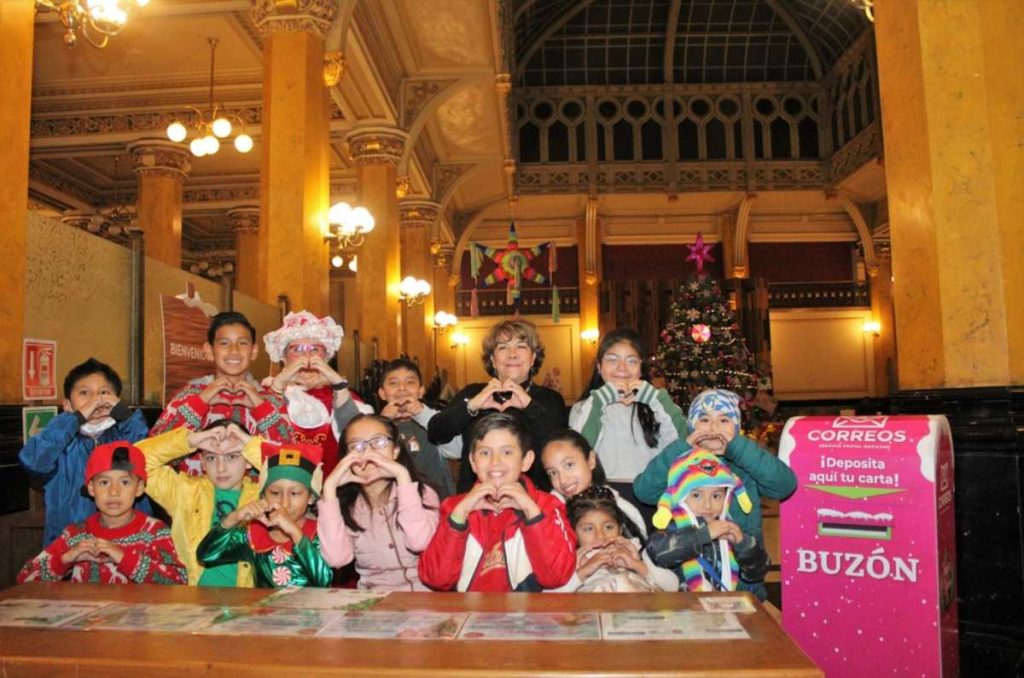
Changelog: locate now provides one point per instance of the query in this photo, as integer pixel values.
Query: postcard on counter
(323, 599)
(404, 625)
(727, 603)
(531, 626)
(671, 625)
(168, 618)
(266, 620)
(45, 613)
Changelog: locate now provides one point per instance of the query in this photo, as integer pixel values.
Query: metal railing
(818, 295)
(533, 301)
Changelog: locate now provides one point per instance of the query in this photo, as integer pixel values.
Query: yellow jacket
(189, 500)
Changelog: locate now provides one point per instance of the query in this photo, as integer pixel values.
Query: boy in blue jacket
(93, 415)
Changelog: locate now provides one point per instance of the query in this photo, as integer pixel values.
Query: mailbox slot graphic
(857, 524)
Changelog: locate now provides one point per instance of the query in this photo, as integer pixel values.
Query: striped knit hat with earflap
(696, 470)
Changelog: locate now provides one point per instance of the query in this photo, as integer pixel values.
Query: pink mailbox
(868, 545)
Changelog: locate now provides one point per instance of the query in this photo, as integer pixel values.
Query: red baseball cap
(102, 459)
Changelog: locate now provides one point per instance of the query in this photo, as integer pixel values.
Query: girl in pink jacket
(373, 509)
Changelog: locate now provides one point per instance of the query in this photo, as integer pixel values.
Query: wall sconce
(443, 320)
(412, 290)
(347, 225)
(459, 339)
(590, 335)
(872, 327)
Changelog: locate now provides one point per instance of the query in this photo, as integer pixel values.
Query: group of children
(276, 484)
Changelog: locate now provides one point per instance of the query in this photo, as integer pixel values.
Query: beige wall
(76, 293)
(561, 345)
(821, 354)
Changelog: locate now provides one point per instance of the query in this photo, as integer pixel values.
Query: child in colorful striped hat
(713, 551)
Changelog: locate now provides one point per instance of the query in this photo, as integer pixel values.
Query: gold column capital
(157, 157)
(443, 255)
(418, 213)
(304, 16)
(244, 220)
(334, 68)
(377, 145)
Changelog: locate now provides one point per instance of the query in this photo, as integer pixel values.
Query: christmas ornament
(700, 333)
(699, 253)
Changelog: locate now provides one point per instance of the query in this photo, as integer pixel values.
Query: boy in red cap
(275, 533)
(117, 544)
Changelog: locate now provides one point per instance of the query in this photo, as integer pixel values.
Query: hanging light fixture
(210, 130)
(97, 20)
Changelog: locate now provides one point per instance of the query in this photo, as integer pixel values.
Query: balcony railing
(818, 295)
(534, 301)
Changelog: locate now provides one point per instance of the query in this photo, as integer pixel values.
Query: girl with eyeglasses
(374, 509)
(626, 419)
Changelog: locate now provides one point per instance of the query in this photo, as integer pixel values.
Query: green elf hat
(292, 461)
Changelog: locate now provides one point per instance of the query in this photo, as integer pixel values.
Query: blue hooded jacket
(58, 454)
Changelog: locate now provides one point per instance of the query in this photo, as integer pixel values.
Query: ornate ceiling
(433, 68)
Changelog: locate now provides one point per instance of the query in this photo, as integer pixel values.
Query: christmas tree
(701, 347)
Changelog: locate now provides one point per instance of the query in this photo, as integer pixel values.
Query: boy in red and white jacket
(117, 544)
(504, 534)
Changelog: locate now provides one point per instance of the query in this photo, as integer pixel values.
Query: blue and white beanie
(715, 400)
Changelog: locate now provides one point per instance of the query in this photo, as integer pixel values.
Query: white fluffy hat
(303, 325)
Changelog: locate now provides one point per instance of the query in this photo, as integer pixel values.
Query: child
(715, 418)
(610, 558)
(504, 534)
(572, 466)
(93, 415)
(117, 544)
(230, 393)
(196, 504)
(701, 488)
(382, 517)
(626, 419)
(275, 533)
(401, 390)
(319, 402)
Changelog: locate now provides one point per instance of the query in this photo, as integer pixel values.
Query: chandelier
(210, 264)
(210, 130)
(96, 19)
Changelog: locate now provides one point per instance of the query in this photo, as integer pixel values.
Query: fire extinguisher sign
(39, 370)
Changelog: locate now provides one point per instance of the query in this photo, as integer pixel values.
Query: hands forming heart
(500, 395)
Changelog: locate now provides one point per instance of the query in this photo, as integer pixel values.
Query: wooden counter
(55, 652)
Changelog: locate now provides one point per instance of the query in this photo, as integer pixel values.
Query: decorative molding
(442, 256)
(416, 96)
(244, 220)
(590, 242)
(402, 185)
(418, 213)
(155, 157)
(861, 150)
(377, 145)
(125, 123)
(60, 183)
(308, 16)
(334, 68)
(740, 249)
(201, 194)
(447, 177)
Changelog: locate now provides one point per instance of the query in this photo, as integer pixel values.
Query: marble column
(376, 152)
(16, 26)
(161, 167)
(295, 143)
(418, 219)
(244, 222)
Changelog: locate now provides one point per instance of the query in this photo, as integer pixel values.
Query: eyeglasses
(613, 360)
(376, 442)
(299, 349)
